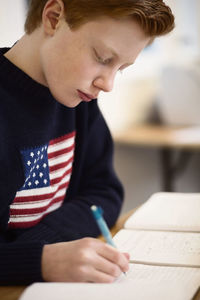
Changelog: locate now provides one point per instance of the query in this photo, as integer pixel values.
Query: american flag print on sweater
(47, 172)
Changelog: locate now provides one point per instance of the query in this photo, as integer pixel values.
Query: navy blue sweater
(55, 162)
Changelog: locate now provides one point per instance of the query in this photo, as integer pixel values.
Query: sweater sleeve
(93, 182)
(20, 262)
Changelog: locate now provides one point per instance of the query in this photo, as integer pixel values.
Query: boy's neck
(25, 54)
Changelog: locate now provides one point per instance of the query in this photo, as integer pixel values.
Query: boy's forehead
(120, 39)
(107, 28)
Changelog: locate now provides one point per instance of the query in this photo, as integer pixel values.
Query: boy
(56, 150)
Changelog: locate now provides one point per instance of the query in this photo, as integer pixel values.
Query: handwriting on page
(159, 274)
(168, 248)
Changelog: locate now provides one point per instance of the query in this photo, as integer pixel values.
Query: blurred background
(163, 87)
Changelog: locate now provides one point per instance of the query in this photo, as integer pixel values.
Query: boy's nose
(105, 82)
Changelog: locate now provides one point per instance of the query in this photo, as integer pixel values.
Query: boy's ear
(53, 12)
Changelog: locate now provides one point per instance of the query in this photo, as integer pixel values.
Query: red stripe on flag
(62, 138)
(26, 224)
(36, 210)
(60, 152)
(34, 198)
(61, 165)
(57, 180)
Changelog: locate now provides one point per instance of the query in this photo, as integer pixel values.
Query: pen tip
(93, 207)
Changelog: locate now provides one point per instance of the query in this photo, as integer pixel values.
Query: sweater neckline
(15, 78)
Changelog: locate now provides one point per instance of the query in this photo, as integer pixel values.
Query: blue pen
(98, 215)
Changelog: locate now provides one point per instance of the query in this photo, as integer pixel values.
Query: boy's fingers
(108, 267)
(116, 257)
(100, 277)
(127, 255)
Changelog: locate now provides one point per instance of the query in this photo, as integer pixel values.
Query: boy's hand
(84, 260)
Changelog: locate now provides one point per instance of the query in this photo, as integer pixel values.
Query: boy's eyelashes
(101, 60)
(106, 61)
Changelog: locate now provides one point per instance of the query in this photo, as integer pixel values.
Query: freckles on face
(66, 58)
(68, 67)
(69, 61)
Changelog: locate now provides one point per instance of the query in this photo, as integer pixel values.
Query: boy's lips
(85, 97)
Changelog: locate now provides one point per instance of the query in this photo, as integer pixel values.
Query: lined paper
(160, 247)
(160, 274)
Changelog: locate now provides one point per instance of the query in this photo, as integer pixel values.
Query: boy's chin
(70, 104)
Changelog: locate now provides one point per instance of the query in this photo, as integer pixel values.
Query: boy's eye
(101, 60)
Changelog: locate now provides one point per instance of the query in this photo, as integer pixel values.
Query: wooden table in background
(182, 140)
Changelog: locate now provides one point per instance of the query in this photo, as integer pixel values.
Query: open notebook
(138, 290)
(165, 230)
(163, 239)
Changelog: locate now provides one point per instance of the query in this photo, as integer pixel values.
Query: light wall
(12, 16)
